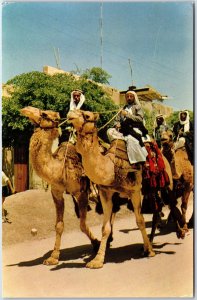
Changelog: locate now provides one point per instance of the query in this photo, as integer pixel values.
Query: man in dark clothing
(184, 134)
(159, 126)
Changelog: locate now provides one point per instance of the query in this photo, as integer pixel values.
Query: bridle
(43, 116)
(86, 121)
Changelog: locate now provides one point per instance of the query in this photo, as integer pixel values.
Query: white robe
(135, 152)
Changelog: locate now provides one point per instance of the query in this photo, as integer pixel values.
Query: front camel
(101, 169)
(62, 170)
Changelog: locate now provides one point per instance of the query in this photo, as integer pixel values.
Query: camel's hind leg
(82, 199)
(184, 204)
(59, 227)
(136, 200)
(106, 200)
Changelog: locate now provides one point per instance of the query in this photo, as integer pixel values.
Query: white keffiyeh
(186, 122)
(73, 105)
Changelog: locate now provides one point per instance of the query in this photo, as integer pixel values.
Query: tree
(149, 118)
(97, 74)
(49, 93)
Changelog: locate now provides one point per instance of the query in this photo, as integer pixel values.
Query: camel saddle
(67, 153)
(121, 160)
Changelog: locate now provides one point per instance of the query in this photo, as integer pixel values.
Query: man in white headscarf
(77, 99)
(130, 127)
(76, 102)
(183, 133)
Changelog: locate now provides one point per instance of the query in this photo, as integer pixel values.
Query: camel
(62, 170)
(102, 170)
(154, 197)
(182, 170)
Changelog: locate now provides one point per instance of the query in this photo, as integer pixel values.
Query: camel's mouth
(29, 111)
(71, 115)
(164, 139)
(70, 119)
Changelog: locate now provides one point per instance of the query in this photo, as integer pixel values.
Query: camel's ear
(96, 116)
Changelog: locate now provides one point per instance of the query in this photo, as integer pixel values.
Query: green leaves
(49, 93)
(97, 74)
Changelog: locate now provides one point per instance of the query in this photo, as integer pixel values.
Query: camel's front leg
(59, 227)
(82, 199)
(184, 204)
(106, 200)
(136, 200)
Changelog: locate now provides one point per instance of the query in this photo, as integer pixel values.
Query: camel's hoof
(181, 234)
(185, 228)
(96, 245)
(50, 261)
(149, 253)
(94, 264)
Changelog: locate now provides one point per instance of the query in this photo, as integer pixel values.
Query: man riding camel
(159, 126)
(129, 126)
(184, 134)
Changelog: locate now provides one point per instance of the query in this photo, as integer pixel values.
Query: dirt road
(126, 272)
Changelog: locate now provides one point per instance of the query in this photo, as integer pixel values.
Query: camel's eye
(87, 117)
(44, 115)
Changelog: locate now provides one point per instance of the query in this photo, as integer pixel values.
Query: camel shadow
(128, 252)
(72, 253)
(85, 253)
(148, 224)
(167, 227)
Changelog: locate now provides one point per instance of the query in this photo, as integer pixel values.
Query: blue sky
(157, 37)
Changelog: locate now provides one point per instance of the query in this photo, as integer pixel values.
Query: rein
(54, 121)
(102, 112)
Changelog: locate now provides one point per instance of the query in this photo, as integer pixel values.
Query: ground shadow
(85, 253)
(166, 227)
(65, 254)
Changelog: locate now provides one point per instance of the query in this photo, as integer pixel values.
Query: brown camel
(182, 170)
(62, 170)
(102, 169)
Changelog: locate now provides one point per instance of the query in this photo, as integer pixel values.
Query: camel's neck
(98, 167)
(167, 152)
(41, 152)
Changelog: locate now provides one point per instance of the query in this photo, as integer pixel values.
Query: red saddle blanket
(154, 172)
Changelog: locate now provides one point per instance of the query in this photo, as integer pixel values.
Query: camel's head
(41, 118)
(167, 138)
(83, 121)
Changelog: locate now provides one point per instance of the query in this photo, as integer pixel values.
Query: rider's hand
(180, 132)
(124, 113)
(118, 125)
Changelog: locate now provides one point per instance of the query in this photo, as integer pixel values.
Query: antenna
(101, 33)
(57, 57)
(130, 70)
(78, 71)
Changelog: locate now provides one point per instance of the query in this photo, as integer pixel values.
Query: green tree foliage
(149, 118)
(97, 74)
(49, 93)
